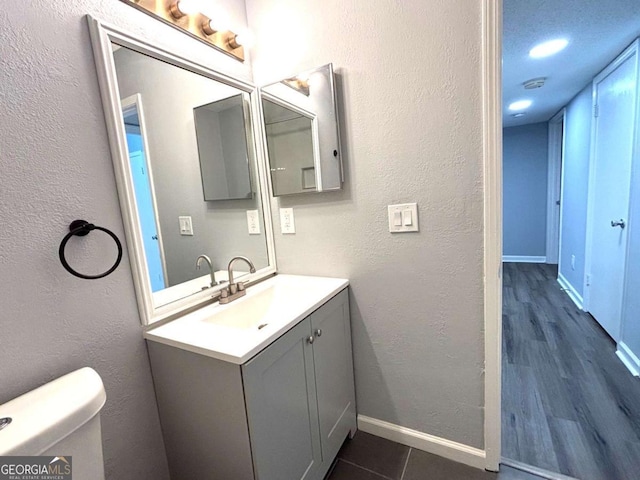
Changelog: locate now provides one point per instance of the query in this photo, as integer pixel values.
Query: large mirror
(188, 174)
(301, 127)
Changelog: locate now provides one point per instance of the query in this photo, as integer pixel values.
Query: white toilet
(61, 418)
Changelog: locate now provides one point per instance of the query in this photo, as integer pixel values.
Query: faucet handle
(240, 286)
(224, 293)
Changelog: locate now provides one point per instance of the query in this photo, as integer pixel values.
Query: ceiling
(597, 32)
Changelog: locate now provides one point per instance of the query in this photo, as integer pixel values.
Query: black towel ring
(81, 228)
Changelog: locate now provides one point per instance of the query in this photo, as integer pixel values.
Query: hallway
(568, 404)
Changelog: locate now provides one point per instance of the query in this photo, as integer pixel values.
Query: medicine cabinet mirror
(187, 168)
(302, 134)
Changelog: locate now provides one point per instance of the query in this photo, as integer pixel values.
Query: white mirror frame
(102, 36)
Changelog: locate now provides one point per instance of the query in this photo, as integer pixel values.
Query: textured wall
(575, 170)
(55, 166)
(410, 92)
(524, 185)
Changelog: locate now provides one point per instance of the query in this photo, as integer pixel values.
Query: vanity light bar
(181, 14)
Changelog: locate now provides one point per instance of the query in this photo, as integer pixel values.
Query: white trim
(538, 472)
(630, 51)
(570, 290)
(629, 359)
(554, 185)
(523, 259)
(492, 203)
(455, 451)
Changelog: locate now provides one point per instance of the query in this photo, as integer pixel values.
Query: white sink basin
(252, 313)
(237, 331)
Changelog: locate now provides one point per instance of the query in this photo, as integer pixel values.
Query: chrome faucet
(208, 260)
(235, 290)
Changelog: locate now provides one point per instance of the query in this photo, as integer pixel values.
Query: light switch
(186, 227)
(403, 218)
(406, 218)
(253, 222)
(287, 222)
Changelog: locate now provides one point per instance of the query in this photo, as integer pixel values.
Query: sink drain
(4, 422)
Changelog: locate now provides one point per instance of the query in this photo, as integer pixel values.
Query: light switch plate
(253, 222)
(287, 222)
(186, 227)
(403, 218)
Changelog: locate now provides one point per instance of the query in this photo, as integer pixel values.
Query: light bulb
(219, 23)
(244, 39)
(182, 8)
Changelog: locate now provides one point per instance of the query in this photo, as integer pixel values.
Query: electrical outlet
(287, 222)
(253, 222)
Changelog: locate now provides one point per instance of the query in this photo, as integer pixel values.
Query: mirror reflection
(222, 147)
(193, 168)
(303, 142)
(290, 145)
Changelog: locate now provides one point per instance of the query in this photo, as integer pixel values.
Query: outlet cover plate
(287, 222)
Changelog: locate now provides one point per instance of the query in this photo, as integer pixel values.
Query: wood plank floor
(568, 403)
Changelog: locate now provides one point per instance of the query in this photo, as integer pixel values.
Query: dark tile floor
(367, 457)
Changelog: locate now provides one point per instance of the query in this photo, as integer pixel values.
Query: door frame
(129, 104)
(631, 50)
(554, 187)
(492, 203)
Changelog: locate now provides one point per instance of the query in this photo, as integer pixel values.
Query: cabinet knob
(310, 339)
(318, 332)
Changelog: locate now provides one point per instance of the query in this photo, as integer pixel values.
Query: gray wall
(525, 165)
(575, 188)
(410, 92)
(169, 95)
(55, 167)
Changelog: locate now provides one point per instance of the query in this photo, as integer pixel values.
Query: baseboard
(523, 259)
(571, 291)
(629, 359)
(539, 472)
(457, 452)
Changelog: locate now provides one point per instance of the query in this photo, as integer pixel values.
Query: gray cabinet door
(334, 373)
(280, 394)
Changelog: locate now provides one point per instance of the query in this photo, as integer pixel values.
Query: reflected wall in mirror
(221, 130)
(302, 135)
(188, 134)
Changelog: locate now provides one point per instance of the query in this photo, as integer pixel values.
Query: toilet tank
(59, 419)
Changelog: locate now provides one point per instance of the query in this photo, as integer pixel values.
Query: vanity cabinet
(282, 415)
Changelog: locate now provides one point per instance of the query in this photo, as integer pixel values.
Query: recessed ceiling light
(548, 48)
(520, 105)
(518, 115)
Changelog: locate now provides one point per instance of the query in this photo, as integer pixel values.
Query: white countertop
(231, 332)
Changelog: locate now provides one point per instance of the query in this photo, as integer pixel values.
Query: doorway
(133, 115)
(569, 406)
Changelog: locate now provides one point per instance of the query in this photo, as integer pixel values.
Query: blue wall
(575, 188)
(525, 161)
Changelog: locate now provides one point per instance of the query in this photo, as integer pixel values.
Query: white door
(610, 181)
